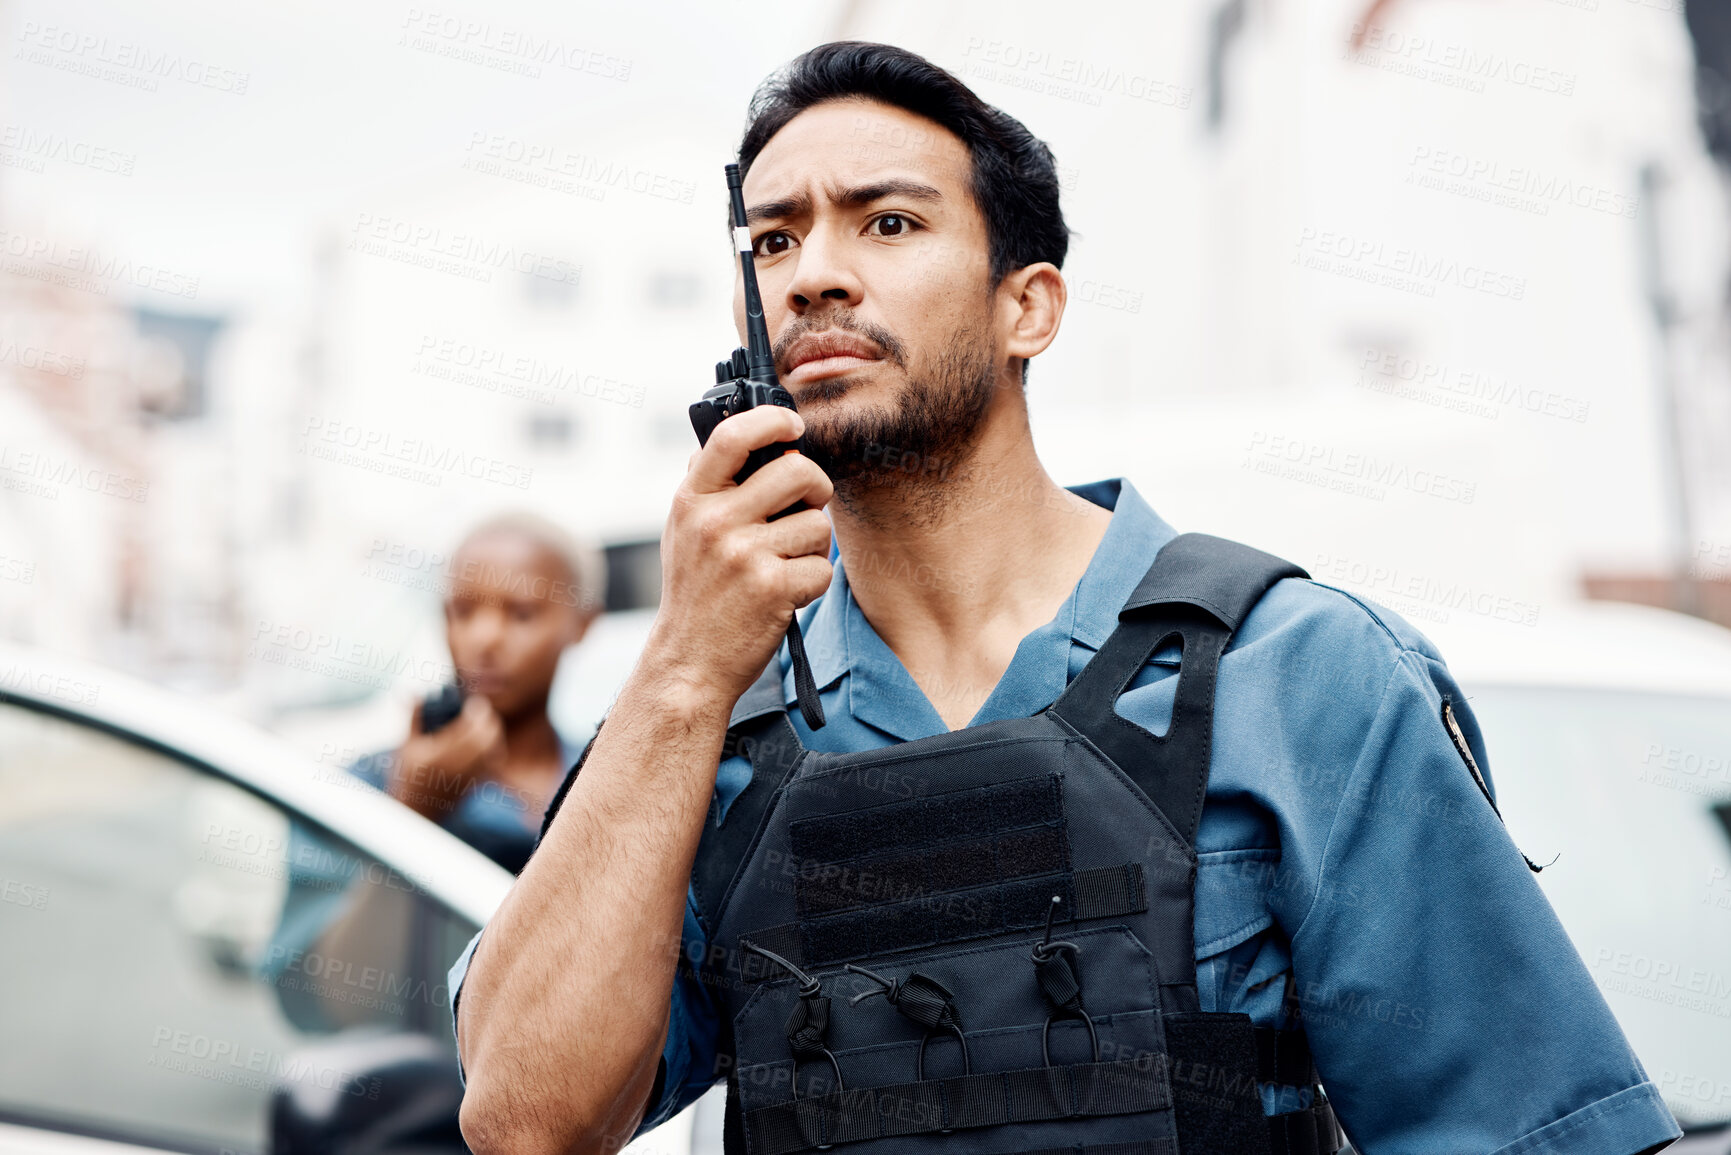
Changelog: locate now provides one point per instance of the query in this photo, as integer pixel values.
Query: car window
(174, 945)
(1623, 790)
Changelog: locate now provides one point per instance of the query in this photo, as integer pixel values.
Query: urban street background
(1429, 296)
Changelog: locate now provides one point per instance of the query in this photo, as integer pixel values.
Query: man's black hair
(1015, 179)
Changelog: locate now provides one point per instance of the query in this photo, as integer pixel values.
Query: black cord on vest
(807, 1028)
(924, 1000)
(804, 685)
(1056, 969)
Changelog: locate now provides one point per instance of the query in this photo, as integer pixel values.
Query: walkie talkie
(744, 381)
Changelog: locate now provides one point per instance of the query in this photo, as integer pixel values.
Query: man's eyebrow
(852, 197)
(795, 205)
(865, 194)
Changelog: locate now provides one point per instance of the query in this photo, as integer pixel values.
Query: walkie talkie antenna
(760, 359)
(732, 395)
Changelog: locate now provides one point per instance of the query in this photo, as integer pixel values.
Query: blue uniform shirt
(490, 817)
(1346, 853)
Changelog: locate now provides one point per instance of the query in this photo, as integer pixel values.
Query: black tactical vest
(982, 941)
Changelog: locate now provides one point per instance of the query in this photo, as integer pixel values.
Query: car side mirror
(366, 1093)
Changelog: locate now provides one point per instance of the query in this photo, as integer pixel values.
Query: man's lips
(826, 354)
(825, 367)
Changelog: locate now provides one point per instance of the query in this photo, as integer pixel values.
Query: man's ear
(1031, 301)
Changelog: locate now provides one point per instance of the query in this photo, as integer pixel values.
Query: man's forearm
(564, 1009)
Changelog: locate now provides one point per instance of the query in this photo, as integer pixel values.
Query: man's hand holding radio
(564, 1012)
(731, 578)
(435, 770)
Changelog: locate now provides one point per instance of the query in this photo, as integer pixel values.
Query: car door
(174, 948)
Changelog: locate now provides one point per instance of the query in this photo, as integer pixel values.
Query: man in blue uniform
(1352, 874)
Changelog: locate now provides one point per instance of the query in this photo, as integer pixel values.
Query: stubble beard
(902, 464)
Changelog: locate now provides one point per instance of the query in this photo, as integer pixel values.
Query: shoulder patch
(1459, 738)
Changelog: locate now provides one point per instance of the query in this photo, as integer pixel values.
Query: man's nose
(823, 274)
(486, 628)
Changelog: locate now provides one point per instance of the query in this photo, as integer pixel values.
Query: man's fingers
(734, 439)
(789, 478)
(807, 578)
(470, 733)
(800, 534)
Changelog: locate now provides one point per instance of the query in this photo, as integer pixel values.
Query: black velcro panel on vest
(1215, 1100)
(956, 841)
(827, 887)
(931, 821)
(1104, 892)
(1032, 1095)
(943, 868)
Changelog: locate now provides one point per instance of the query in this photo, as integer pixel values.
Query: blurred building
(1370, 285)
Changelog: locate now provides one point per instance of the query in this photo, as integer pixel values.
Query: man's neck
(955, 565)
(530, 739)
(534, 761)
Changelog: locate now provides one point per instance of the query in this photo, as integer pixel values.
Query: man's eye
(773, 244)
(892, 225)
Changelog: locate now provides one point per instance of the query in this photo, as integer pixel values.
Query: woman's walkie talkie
(744, 381)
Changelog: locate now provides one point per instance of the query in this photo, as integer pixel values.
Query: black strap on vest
(1199, 590)
(932, 1106)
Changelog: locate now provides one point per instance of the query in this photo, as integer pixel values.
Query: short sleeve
(690, 1060)
(454, 984)
(689, 1064)
(1446, 1007)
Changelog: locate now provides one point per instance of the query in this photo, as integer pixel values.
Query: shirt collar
(879, 691)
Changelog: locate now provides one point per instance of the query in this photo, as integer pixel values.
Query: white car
(212, 943)
(163, 986)
(1608, 729)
